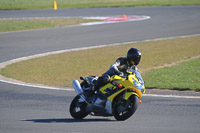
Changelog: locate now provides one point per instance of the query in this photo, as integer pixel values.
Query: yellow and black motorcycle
(120, 97)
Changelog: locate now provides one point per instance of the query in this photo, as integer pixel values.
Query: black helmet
(133, 56)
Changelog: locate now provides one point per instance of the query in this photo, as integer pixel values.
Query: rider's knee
(106, 78)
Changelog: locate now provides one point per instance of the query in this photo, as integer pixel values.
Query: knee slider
(106, 78)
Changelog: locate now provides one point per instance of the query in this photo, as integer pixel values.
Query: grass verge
(185, 76)
(48, 4)
(60, 69)
(17, 25)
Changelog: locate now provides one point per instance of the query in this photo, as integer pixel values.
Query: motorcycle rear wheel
(77, 109)
(125, 109)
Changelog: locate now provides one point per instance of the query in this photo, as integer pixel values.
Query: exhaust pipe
(78, 89)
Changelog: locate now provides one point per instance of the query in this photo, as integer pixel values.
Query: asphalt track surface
(34, 110)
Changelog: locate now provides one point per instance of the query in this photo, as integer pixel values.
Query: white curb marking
(172, 96)
(109, 20)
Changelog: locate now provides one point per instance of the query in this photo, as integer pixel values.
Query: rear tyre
(77, 109)
(123, 109)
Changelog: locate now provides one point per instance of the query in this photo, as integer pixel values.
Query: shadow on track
(68, 120)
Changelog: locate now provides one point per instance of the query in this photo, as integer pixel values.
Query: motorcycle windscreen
(138, 81)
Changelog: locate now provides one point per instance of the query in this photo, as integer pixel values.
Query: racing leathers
(119, 67)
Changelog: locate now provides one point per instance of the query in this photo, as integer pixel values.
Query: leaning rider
(120, 66)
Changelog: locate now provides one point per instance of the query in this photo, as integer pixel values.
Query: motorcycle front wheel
(77, 109)
(123, 109)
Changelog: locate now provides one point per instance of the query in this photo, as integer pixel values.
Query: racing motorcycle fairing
(134, 83)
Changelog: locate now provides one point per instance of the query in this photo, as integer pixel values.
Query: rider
(120, 66)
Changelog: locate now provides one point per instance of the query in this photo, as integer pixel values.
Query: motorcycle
(120, 97)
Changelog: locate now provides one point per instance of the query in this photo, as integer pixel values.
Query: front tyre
(123, 109)
(77, 109)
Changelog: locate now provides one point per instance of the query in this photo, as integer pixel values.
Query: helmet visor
(134, 60)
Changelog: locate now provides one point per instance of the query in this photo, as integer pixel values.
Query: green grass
(48, 4)
(17, 25)
(185, 76)
(60, 69)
